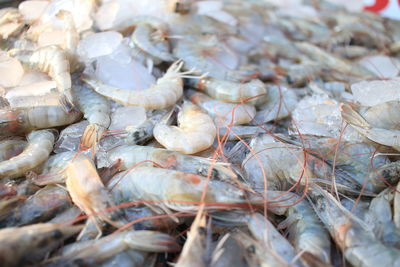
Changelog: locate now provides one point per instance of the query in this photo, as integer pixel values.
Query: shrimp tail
(352, 117)
(91, 136)
(151, 241)
(67, 103)
(4, 104)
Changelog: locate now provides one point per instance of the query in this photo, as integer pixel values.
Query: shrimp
(306, 232)
(10, 148)
(132, 155)
(195, 132)
(285, 164)
(268, 237)
(40, 145)
(96, 110)
(332, 61)
(383, 219)
(223, 113)
(54, 61)
(194, 252)
(97, 251)
(142, 38)
(29, 244)
(89, 194)
(352, 236)
(383, 136)
(41, 206)
(281, 102)
(170, 189)
(23, 120)
(253, 92)
(53, 170)
(255, 254)
(165, 93)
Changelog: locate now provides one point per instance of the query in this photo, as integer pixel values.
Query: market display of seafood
(198, 133)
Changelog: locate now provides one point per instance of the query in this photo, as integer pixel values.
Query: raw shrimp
(53, 170)
(283, 165)
(228, 252)
(281, 102)
(268, 237)
(142, 38)
(352, 236)
(96, 251)
(29, 244)
(194, 253)
(195, 132)
(382, 218)
(96, 110)
(11, 148)
(169, 188)
(253, 92)
(306, 232)
(132, 155)
(24, 120)
(332, 61)
(40, 145)
(89, 194)
(41, 206)
(54, 61)
(387, 137)
(223, 113)
(165, 93)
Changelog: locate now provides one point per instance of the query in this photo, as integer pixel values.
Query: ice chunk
(70, 137)
(32, 10)
(383, 66)
(124, 117)
(131, 76)
(99, 44)
(371, 93)
(11, 71)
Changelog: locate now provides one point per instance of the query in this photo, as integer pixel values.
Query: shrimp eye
(251, 249)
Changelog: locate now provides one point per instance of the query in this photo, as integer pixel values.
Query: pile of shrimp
(271, 134)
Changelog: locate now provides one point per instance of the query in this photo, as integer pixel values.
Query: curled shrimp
(88, 192)
(225, 113)
(40, 145)
(54, 61)
(195, 132)
(253, 92)
(163, 94)
(142, 38)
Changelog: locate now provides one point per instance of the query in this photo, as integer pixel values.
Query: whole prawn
(163, 94)
(196, 131)
(40, 145)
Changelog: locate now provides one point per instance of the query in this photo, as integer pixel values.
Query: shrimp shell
(23, 120)
(40, 145)
(253, 92)
(163, 94)
(196, 131)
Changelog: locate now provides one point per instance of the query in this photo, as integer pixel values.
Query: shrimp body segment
(40, 145)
